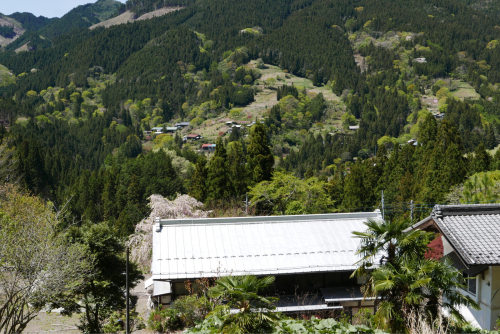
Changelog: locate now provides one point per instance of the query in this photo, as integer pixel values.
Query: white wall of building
(487, 295)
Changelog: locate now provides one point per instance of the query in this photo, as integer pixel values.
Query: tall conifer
(218, 180)
(354, 190)
(482, 159)
(237, 168)
(198, 187)
(259, 158)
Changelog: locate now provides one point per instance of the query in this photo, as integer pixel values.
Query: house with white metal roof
(168, 129)
(308, 254)
(470, 235)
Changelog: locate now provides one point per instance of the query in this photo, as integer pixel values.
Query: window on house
(470, 283)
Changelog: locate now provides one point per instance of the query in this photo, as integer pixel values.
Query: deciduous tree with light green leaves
(347, 120)
(36, 264)
(289, 195)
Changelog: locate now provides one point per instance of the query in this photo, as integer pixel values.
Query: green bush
(114, 324)
(163, 319)
(192, 309)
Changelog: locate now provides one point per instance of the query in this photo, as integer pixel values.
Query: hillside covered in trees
(365, 96)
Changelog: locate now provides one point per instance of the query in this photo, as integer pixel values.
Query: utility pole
(383, 211)
(127, 296)
(246, 204)
(411, 210)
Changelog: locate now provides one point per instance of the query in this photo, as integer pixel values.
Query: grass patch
(465, 91)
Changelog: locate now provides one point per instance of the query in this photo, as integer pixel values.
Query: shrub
(235, 112)
(88, 94)
(161, 320)
(192, 309)
(114, 324)
(196, 121)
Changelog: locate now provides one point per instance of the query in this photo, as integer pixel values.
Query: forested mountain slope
(37, 32)
(81, 17)
(30, 21)
(394, 67)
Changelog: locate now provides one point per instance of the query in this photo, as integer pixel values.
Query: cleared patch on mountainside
(128, 16)
(266, 97)
(120, 19)
(10, 22)
(24, 47)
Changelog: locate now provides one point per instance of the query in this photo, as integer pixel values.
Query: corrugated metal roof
(194, 248)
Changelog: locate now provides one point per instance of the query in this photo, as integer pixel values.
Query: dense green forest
(30, 21)
(82, 102)
(7, 32)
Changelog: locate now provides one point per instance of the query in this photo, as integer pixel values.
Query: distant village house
(168, 129)
(192, 136)
(208, 147)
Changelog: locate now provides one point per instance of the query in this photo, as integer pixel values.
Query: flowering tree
(141, 242)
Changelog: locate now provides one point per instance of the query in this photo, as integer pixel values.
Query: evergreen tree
(495, 163)
(446, 166)
(198, 187)
(354, 190)
(178, 139)
(259, 158)
(134, 193)
(32, 167)
(481, 161)
(109, 196)
(491, 140)
(218, 179)
(428, 131)
(237, 170)
(159, 176)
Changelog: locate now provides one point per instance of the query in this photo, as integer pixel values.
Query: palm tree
(404, 281)
(415, 286)
(386, 240)
(243, 309)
